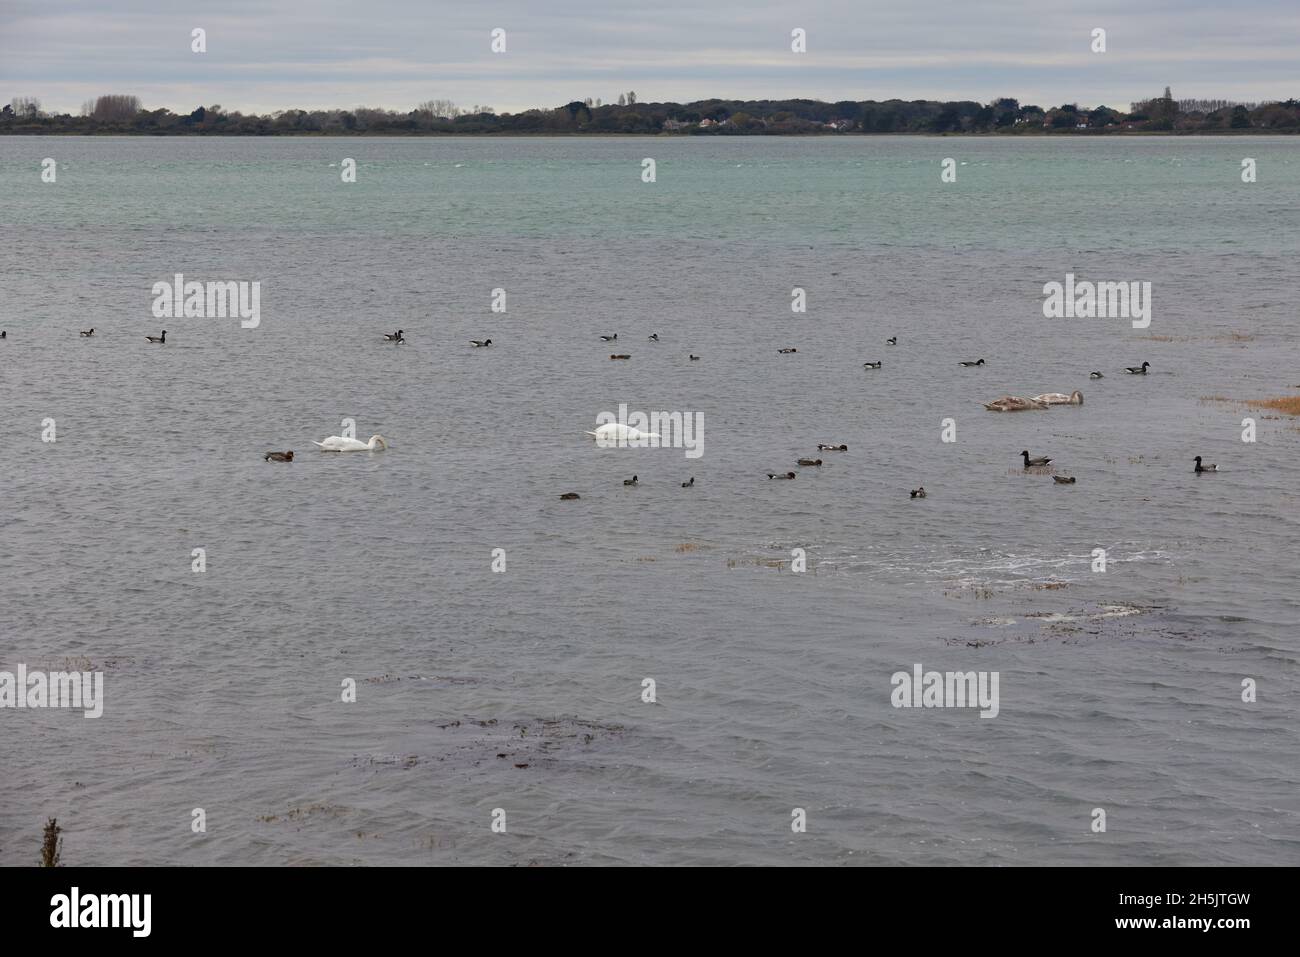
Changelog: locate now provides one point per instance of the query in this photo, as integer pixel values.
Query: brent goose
(1034, 463)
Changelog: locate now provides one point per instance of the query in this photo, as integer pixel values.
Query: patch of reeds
(52, 847)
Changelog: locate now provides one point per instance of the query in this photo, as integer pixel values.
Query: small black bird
(1204, 468)
(918, 492)
(567, 496)
(86, 334)
(977, 363)
(610, 338)
(161, 340)
(480, 343)
(631, 481)
(892, 341)
(1034, 463)
(690, 484)
(279, 456)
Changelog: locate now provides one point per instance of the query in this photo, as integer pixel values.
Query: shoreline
(550, 134)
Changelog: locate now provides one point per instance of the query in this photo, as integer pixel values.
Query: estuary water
(518, 694)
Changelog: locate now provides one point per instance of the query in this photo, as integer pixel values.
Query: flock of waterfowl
(615, 432)
(1006, 403)
(1015, 403)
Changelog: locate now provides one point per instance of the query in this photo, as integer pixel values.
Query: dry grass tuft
(1290, 404)
(52, 847)
(757, 562)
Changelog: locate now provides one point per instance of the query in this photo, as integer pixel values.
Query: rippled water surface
(522, 690)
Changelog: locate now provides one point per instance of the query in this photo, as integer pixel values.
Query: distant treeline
(122, 114)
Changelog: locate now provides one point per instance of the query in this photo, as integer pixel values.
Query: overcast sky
(265, 55)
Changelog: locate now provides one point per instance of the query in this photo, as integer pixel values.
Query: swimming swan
(1060, 398)
(616, 433)
(337, 443)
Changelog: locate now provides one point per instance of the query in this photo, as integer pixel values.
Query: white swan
(337, 443)
(616, 433)
(1060, 398)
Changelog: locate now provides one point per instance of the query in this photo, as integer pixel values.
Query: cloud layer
(395, 53)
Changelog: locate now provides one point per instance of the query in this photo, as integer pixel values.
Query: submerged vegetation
(120, 114)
